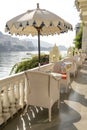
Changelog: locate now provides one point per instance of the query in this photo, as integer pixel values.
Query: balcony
(71, 115)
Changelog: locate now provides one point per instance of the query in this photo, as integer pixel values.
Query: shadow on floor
(37, 118)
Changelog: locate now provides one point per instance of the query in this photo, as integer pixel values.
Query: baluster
(12, 99)
(26, 93)
(6, 104)
(1, 118)
(26, 89)
(17, 96)
(21, 102)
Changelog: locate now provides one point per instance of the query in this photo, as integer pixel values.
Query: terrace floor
(72, 114)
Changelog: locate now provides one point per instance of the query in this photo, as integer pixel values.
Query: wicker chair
(65, 75)
(44, 90)
(73, 68)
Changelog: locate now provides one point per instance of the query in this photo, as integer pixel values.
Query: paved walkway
(71, 116)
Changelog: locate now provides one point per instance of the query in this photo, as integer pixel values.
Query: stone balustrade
(14, 93)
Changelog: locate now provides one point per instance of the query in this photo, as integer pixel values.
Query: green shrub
(29, 64)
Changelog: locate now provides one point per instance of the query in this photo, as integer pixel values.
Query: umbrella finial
(37, 5)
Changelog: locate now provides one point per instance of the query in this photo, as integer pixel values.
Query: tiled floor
(71, 116)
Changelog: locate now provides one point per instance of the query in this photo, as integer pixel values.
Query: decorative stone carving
(54, 54)
(70, 52)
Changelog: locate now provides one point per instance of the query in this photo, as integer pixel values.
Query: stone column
(6, 103)
(84, 39)
(17, 95)
(12, 100)
(1, 118)
(21, 102)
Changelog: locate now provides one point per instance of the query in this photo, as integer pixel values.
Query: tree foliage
(29, 64)
(78, 39)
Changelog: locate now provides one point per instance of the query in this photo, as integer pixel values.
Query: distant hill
(63, 48)
(9, 43)
(43, 43)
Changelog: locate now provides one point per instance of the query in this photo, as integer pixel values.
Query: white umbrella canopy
(37, 22)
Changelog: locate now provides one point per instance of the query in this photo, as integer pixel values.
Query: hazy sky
(64, 8)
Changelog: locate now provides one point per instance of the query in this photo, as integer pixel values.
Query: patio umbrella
(37, 22)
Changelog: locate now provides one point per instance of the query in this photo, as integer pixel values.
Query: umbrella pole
(39, 47)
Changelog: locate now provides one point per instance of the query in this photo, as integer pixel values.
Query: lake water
(8, 59)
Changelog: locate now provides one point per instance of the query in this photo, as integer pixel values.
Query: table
(57, 75)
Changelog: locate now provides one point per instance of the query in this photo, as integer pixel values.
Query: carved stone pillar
(21, 102)
(1, 118)
(17, 96)
(12, 99)
(27, 88)
(5, 104)
(84, 39)
(54, 54)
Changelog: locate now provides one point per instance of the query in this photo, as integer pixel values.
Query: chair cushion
(59, 67)
(64, 76)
